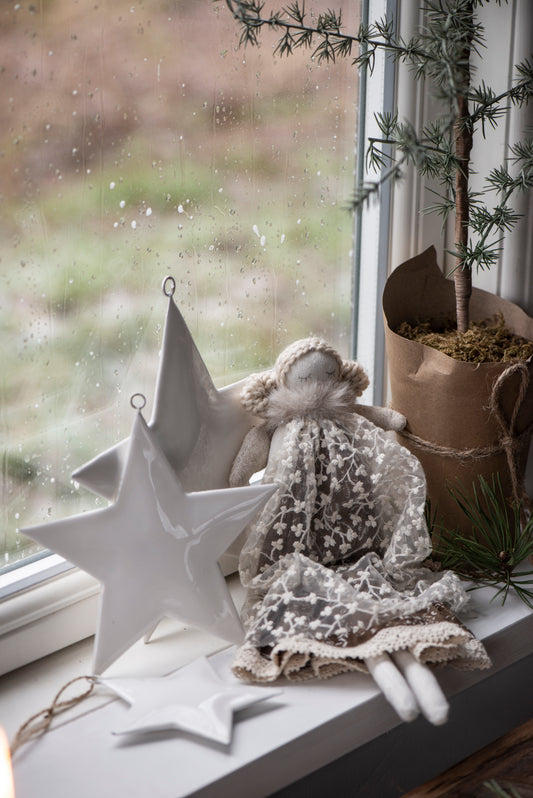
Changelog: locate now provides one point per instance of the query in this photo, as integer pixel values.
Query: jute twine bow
(39, 723)
(509, 442)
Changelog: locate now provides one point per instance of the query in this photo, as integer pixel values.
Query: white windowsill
(48, 605)
(309, 726)
(38, 619)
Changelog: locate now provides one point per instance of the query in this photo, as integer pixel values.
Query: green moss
(484, 342)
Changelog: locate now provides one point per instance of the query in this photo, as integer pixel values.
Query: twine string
(39, 723)
(510, 441)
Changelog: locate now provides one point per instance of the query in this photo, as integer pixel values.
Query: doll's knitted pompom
(355, 374)
(256, 392)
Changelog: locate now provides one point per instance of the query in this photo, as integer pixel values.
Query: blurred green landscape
(137, 141)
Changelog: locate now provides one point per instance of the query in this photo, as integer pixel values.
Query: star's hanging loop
(169, 286)
(138, 401)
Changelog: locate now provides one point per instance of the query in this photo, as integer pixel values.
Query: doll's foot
(422, 681)
(393, 686)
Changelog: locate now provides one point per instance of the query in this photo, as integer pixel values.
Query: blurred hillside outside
(136, 142)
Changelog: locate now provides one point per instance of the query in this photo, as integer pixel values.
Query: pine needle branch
(494, 553)
(438, 53)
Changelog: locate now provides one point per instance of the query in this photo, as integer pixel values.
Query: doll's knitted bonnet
(256, 392)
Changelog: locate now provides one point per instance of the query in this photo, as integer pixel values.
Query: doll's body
(333, 564)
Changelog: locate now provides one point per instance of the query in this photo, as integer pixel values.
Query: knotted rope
(39, 723)
(510, 442)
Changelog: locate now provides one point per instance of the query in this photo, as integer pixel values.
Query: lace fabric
(337, 554)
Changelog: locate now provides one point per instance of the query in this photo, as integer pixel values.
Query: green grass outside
(86, 244)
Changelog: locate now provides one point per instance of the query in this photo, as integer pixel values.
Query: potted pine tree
(464, 418)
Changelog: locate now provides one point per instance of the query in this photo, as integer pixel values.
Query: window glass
(137, 141)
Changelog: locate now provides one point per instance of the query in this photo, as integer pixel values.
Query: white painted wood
(374, 243)
(309, 726)
(516, 281)
(47, 617)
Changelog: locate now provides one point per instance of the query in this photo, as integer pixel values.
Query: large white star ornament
(155, 550)
(199, 428)
(194, 699)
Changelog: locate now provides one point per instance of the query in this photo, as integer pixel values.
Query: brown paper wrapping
(447, 402)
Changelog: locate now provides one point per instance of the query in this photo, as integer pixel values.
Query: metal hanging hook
(169, 281)
(138, 401)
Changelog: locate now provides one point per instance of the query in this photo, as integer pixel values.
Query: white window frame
(49, 604)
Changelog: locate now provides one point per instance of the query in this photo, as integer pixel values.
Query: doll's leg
(393, 686)
(425, 687)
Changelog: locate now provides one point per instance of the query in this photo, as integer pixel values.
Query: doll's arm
(251, 457)
(409, 686)
(383, 417)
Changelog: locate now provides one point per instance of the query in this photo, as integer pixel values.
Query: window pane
(138, 141)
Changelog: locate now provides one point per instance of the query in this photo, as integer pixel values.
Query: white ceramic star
(199, 428)
(194, 699)
(155, 550)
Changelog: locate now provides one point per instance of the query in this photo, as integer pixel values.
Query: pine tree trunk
(463, 276)
(463, 147)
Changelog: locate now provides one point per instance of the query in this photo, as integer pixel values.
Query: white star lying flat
(155, 550)
(194, 699)
(199, 428)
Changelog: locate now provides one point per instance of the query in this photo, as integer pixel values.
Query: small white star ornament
(155, 550)
(194, 699)
(199, 428)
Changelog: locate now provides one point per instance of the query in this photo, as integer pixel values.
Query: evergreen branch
(443, 207)
(334, 42)
(488, 105)
(499, 791)
(478, 254)
(501, 219)
(497, 547)
(439, 53)
(369, 189)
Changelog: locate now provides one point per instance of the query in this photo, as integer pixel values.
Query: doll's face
(313, 366)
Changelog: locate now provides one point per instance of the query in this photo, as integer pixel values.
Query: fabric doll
(334, 564)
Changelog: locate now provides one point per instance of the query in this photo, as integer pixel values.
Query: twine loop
(510, 440)
(39, 723)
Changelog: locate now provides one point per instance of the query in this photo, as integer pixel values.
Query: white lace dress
(333, 566)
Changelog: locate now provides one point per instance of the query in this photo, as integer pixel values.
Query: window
(139, 142)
